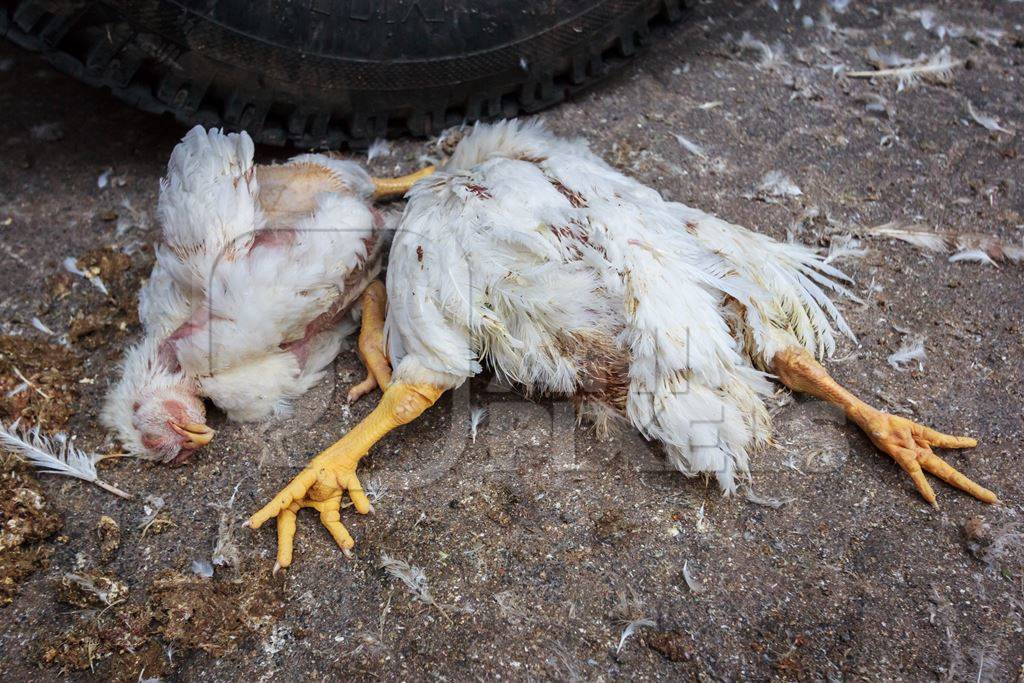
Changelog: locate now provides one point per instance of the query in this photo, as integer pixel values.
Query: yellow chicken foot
(396, 187)
(371, 343)
(321, 484)
(909, 443)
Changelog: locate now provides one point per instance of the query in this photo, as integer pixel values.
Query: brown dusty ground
(539, 540)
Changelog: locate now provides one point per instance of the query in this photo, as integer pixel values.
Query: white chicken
(252, 290)
(531, 255)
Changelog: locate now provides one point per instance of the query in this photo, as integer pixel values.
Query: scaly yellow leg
(371, 342)
(321, 484)
(906, 441)
(396, 187)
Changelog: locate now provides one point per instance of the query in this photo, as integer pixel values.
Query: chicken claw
(371, 343)
(319, 486)
(327, 476)
(909, 443)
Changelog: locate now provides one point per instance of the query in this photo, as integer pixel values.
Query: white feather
(56, 455)
(911, 350)
(976, 255)
(899, 231)
(476, 418)
(778, 184)
(413, 577)
(844, 247)
(937, 69)
(71, 265)
(691, 146)
(631, 628)
(379, 148)
(692, 581)
(41, 326)
(986, 122)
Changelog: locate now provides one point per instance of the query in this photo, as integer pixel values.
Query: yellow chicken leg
(321, 484)
(371, 343)
(909, 443)
(396, 187)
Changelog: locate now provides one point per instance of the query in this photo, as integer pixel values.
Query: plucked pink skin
(155, 417)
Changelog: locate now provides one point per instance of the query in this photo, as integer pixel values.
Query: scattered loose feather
(778, 184)
(935, 69)
(767, 501)
(151, 507)
(41, 326)
(975, 255)
(55, 455)
(887, 60)
(771, 56)
(476, 418)
(986, 122)
(71, 265)
(413, 577)
(631, 628)
(202, 568)
(844, 247)
(970, 246)
(225, 550)
(694, 584)
(910, 351)
(107, 592)
(691, 146)
(379, 148)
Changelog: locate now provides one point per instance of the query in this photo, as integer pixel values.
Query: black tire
(326, 73)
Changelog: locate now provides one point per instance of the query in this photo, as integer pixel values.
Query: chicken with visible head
(253, 290)
(531, 254)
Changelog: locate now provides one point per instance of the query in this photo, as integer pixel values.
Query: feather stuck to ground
(845, 247)
(691, 146)
(55, 455)
(986, 122)
(766, 501)
(631, 628)
(692, 581)
(935, 69)
(379, 148)
(910, 351)
(71, 265)
(413, 577)
(777, 184)
(476, 418)
(771, 56)
(971, 246)
(225, 550)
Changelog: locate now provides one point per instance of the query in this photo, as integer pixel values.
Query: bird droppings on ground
(28, 521)
(853, 578)
(108, 533)
(183, 614)
(38, 382)
(91, 589)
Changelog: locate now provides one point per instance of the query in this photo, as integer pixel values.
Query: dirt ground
(539, 541)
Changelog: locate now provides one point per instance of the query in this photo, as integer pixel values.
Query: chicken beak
(392, 187)
(198, 435)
